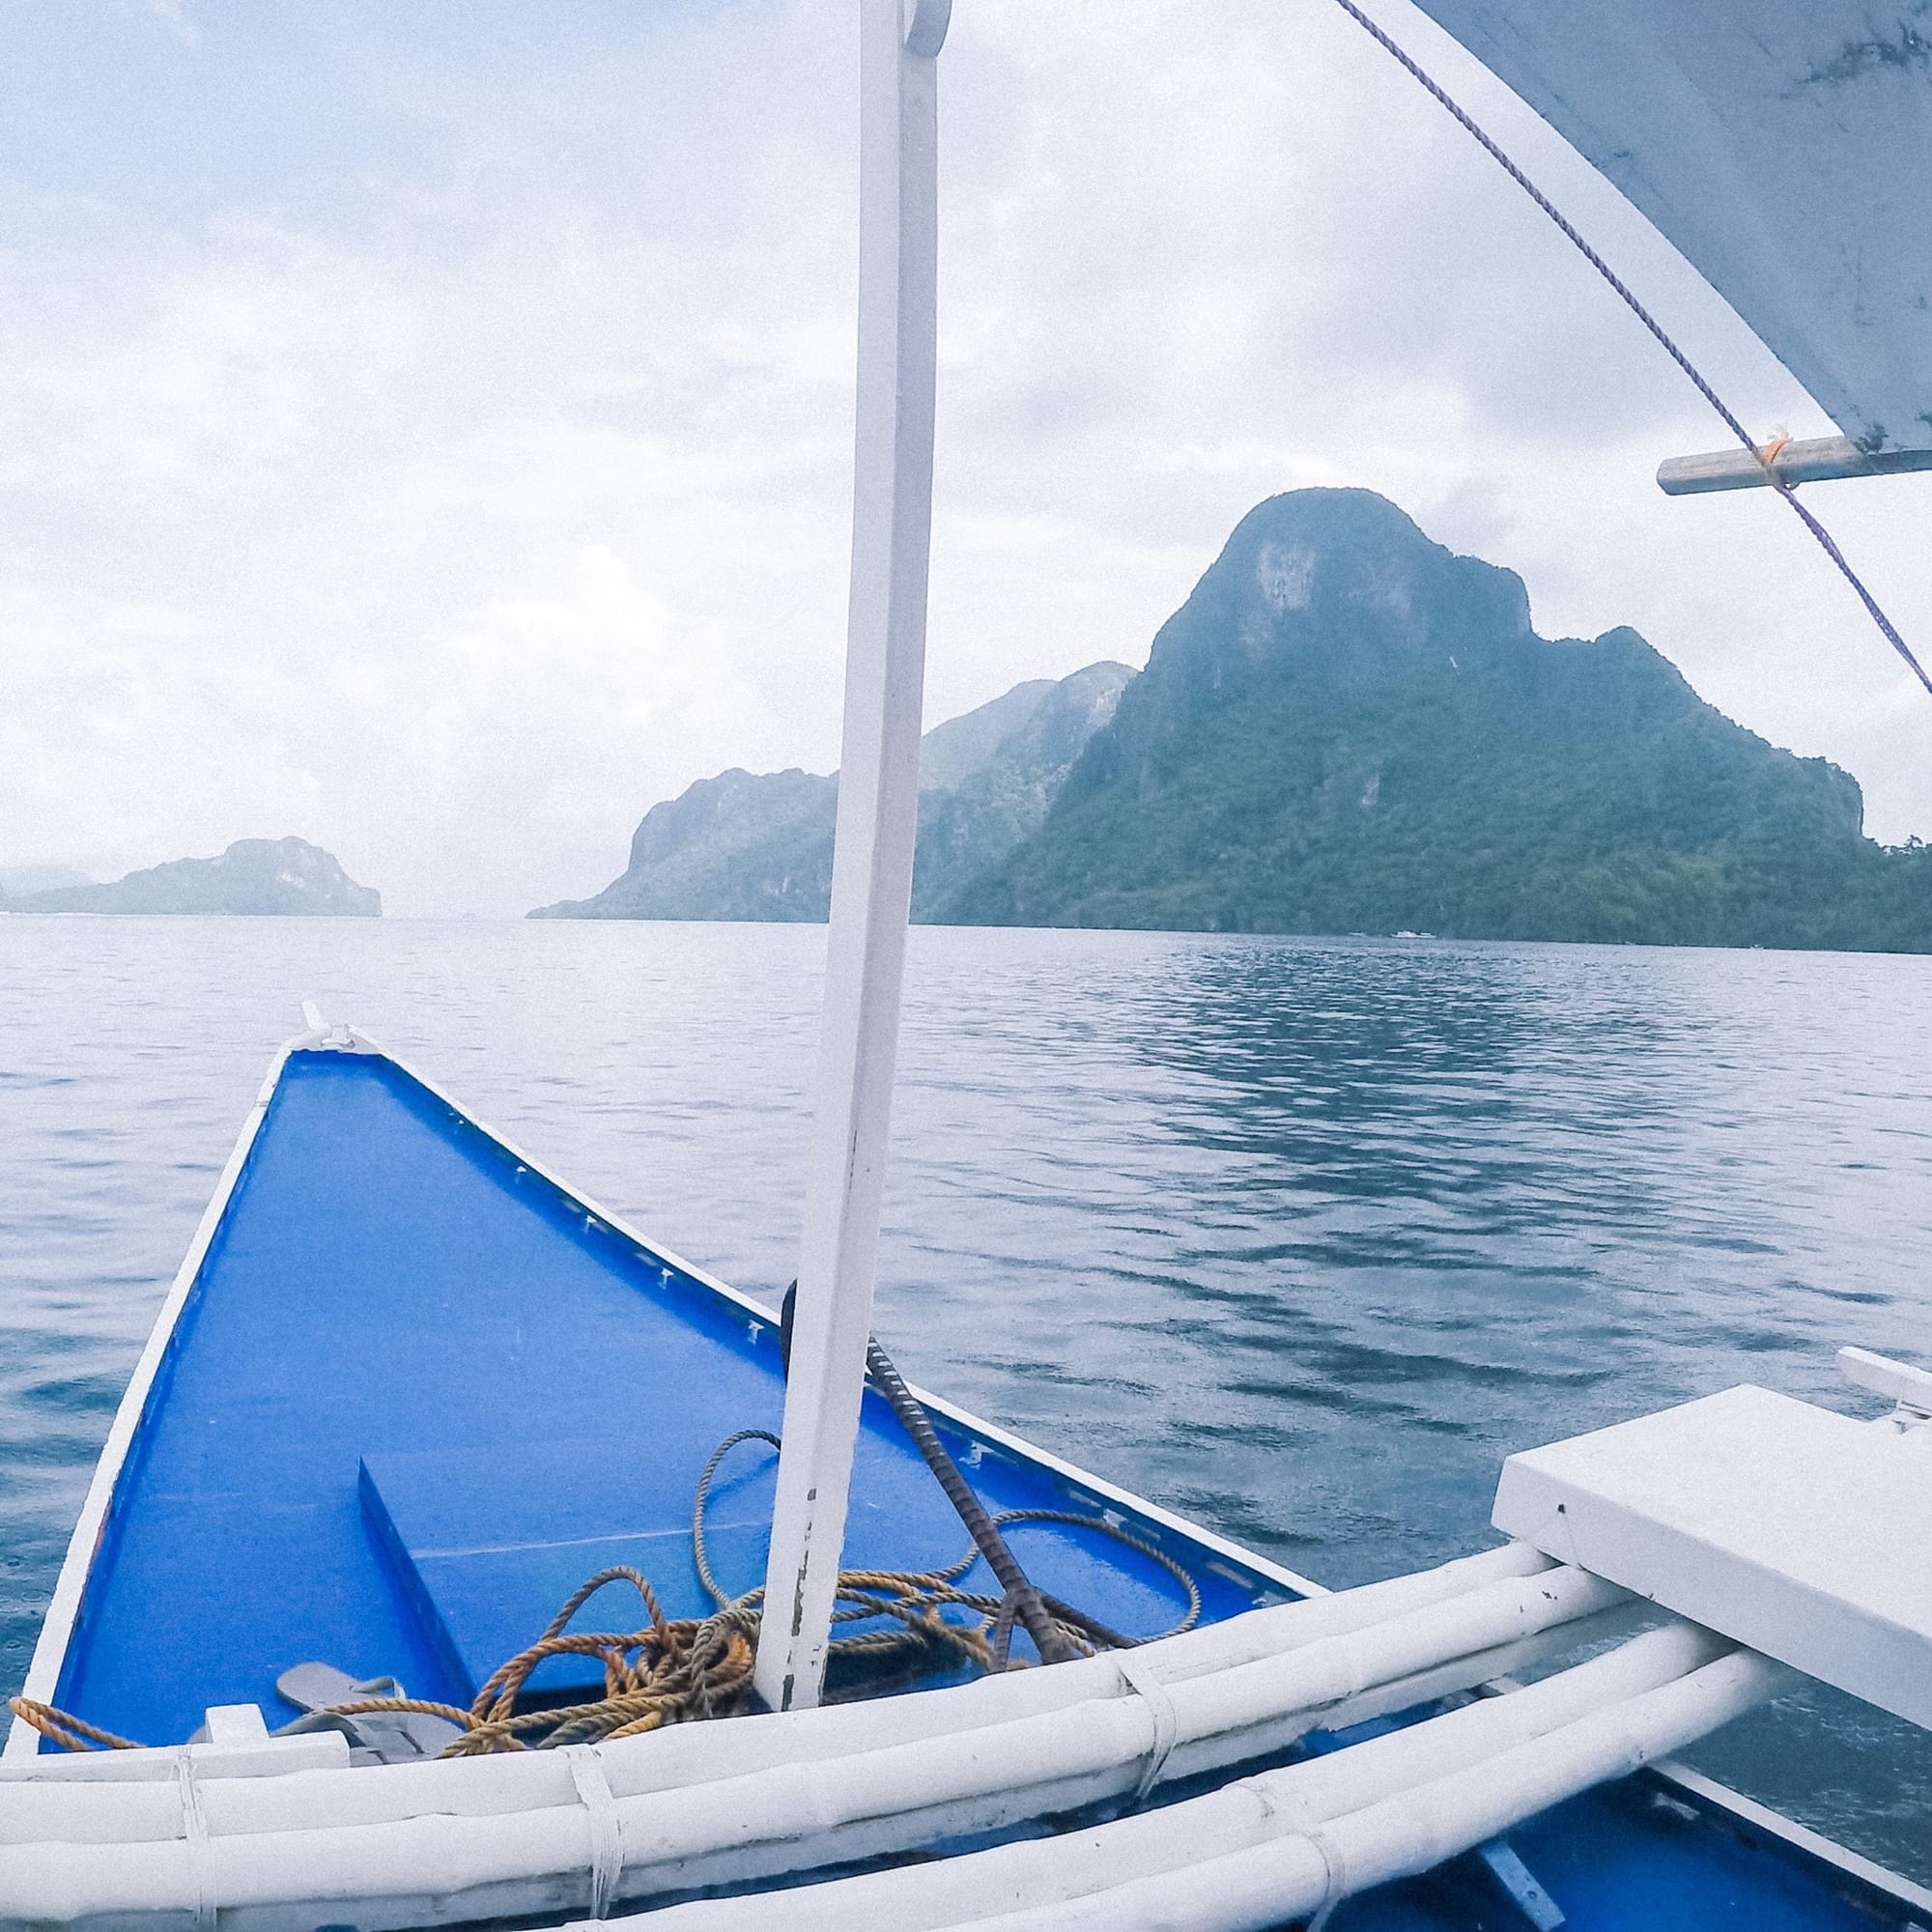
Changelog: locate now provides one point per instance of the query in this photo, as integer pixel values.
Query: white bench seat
(1804, 1533)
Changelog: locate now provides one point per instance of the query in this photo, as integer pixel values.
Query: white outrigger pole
(878, 816)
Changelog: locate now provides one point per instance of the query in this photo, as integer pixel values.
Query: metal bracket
(925, 31)
(1909, 1387)
(1516, 1879)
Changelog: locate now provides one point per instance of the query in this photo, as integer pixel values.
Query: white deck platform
(1801, 1532)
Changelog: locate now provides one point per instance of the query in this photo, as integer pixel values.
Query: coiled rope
(673, 1671)
(1766, 455)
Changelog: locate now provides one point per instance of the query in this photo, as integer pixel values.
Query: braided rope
(1765, 456)
(70, 1733)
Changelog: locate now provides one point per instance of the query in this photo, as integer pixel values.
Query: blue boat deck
(418, 1395)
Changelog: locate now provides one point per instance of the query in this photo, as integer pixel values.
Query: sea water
(1297, 1237)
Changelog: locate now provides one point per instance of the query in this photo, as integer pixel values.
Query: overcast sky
(424, 428)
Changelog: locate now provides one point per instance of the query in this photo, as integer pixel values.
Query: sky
(425, 429)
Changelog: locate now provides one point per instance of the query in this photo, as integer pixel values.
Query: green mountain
(742, 845)
(1348, 728)
(254, 875)
(972, 815)
(758, 847)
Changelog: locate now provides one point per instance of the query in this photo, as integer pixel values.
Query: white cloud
(106, 731)
(466, 469)
(169, 14)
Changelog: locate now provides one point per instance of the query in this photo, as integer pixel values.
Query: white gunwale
(57, 1625)
(57, 1629)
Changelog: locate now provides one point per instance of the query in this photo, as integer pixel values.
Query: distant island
(1346, 728)
(263, 876)
(742, 846)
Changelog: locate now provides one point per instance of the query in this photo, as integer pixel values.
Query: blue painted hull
(418, 1391)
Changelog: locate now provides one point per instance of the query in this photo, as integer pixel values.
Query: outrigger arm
(1820, 459)
(878, 811)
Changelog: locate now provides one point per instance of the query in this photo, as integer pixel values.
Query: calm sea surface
(1299, 1238)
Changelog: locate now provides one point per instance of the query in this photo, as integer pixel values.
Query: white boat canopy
(1784, 147)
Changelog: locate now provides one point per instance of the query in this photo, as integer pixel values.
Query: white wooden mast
(878, 813)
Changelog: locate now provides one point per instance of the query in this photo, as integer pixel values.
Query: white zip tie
(1139, 1679)
(607, 1828)
(195, 1831)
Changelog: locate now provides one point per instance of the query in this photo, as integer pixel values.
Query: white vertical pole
(878, 815)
